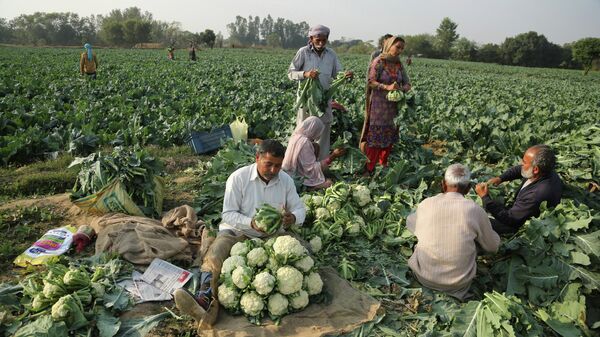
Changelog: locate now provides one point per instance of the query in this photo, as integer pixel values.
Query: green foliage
(445, 37)
(586, 51)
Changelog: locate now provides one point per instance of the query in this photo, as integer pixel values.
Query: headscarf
(387, 45)
(318, 30)
(89, 51)
(305, 133)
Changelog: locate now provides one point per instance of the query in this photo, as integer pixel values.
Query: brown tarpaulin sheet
(348, 309)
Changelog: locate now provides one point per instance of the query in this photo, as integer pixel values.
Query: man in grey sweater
(447, 227)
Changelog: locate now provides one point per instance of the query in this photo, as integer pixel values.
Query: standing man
(317, 61)
(88, 63)
(540, 183)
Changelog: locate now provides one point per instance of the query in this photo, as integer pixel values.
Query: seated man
(540, 183)
(247, 189)
(447, 227)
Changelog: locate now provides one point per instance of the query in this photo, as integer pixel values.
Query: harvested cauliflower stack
(231, 263)
(288, 248)
(264, 283)
(239, 249)
(277, 304)
(241, 276)
(316, 244)
(313, 283)
(257, 257)
(252, 304)
(228, 296)
(299, 300)
(289, 280)
(304, 264)
(361, 194)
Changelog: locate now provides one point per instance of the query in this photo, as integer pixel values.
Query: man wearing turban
(88, 63)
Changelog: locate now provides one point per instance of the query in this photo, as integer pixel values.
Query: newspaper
(158, 283)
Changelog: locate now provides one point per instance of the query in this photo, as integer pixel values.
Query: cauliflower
(269, 243)
(299, 300)
(361, 194)
(241, 276)
(304, 264)
(98, 289)
(252, 304)
(228, 296)
(289, 280)
(333, 206)
(313, 283)
(239, 249)
(40, 302)
(69, 309)
(316, 244)
(277, 304)
(53, 289)
(257, 257)
(354, 226)
(273, 265)
(306, 199)
(288, 248)
(231, 263)
(317, 200)
(322, 213)
(373, 211)
(263, 283)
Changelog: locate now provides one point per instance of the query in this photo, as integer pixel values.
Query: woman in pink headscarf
(300, 157)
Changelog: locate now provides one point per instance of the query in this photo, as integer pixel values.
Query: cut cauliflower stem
(264, 283)
(304, 264)
(277, 304)
(257, 257)
(241, 276)
(231, 263)
(239, 249)
(313, 283)
(299, 300)
(289, 280)
(288, 248)
(228, 297)
(322, 213)
(361, 194)
(252, 304)
(316, 244)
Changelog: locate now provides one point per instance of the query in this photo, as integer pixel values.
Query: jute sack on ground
(349, 308)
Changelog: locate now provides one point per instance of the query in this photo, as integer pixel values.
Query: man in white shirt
(247, 189)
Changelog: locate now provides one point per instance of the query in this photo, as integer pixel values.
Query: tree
(266, 28)
(445, 37)
(586, 51)
(208, 38)
(421, 44)
(6, 34)
(464, 50)
(489, 53)
(274, 40)
(530, 50)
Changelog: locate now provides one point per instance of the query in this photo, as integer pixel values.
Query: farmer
(379, 132)
(171, 53)
(247, 189)
(540, 183)
(448, 226)
(317, 61)
(192, 52)
(301, 158)
(88, 63)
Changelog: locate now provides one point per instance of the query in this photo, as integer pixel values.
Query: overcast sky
(483, 21)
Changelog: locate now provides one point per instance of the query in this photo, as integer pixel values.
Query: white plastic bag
(54, 243)
(239, 129)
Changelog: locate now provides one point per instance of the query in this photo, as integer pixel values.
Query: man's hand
(338, 152)
(311, 74)
(481, 189)
(255, 227)
(288, 220)
(495, 181)
(349, 74)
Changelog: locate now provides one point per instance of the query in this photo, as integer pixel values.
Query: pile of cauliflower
(268, 279)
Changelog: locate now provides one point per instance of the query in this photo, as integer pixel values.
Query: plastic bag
(52, 244)
(239, 129)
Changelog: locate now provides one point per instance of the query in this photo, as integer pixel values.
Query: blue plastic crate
(203, 141)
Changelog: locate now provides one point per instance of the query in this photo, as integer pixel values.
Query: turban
(318, 30)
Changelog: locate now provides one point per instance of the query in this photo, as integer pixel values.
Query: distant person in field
(539, 183)
(171, 53)
(301, 155)
(317, 61)
(379, 132)
(449, 227)
(192, 52)
(88, 62)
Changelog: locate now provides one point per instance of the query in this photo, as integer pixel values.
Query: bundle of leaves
(268, 279)
(312, 97)
(353, 161)
(135, 169)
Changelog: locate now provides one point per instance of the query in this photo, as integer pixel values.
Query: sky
(482, 21)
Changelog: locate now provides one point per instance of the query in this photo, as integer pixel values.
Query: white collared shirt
(245, 191)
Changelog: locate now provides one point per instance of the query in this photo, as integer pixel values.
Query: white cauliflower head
(231, 263)
(361, 195)
(317, 200)
(257, 257)
(263, 283)
(252, 304)
(313, 283)
(299, 300)
(239, 249)
(289, 280)
(304, 264)
(355, 225)
(242, 276)
(228, 296)
(288, 248)
(316, 244)
(277, 304)
(322, 213)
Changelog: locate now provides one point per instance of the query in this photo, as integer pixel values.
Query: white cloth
(245, 191)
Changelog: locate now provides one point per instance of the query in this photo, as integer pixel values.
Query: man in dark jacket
(540, 183)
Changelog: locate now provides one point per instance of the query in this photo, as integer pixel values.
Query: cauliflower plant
(277, 304)
(299, 300)
(304, 264)
(333, 206)
(289, 280)
(288, 248)
(231, 263)
(252, 304)
(239, 249)
(361, 195)
(316, 244)
(313, 283)
(355, 225)
(257, 257)
(322, 213)
(317, 200)
(228, 296)
(373, 211)
(69, 309)
(241, 276)
(263, 283)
